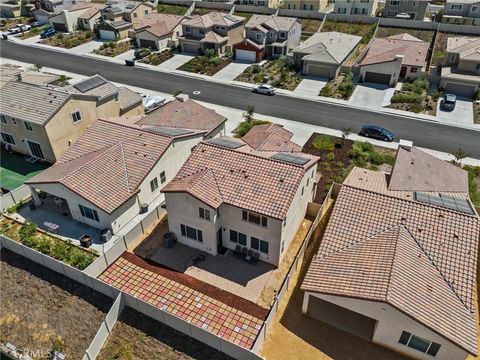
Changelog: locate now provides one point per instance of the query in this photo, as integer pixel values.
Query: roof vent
(182, 97)
(405, 144)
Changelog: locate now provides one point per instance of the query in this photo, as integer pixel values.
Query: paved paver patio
(14, 170)
(205, 306)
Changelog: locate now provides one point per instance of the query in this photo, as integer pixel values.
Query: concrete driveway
(88, 47)
(371, 95)
(230, 72)
(310, 86)
(176, 61)
(461, 115)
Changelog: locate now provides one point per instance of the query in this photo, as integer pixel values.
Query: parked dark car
(141, 53)
(448, 102)
(48, 33)
(35, 24)
(377, 132)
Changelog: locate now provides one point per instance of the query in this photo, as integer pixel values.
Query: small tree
(248, 115)
(346, 132)
(458, 155)
(37, 67)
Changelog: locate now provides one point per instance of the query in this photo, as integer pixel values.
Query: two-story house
(269, 36)
(157, 31)
(461, 69)
(119, 17)
(312, 5)
(82, 15)
(465, 12)
(415, 8)
(356, 7)
(229, 195)
(267, 3)
(214, 31)
(43, 122)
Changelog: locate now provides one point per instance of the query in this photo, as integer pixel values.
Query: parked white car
(152, 102)
(14, 30)
(264, 89)
(25, 27)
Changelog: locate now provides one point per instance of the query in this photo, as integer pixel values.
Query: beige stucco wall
(314, 5)
(390, 324)
(392, 68)
(89, 24)
(137, 15)
(235, 35)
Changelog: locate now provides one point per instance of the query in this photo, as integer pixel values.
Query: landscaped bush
(245, 126)
(406, 98)
(208, 64)
(347, 86)
(327, 91)
(476, 95)
(363, 153)
(418, 86)
(56, 248)
(473, 181)
(324, 143)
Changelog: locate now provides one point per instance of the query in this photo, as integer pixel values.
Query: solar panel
(226, 143)
(231, 18)
(446, 201)
(89, 84)
(169, 131)
(293, 159)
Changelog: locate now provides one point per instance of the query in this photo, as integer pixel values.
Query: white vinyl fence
(14, 197)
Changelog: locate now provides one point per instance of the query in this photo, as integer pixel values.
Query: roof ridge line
(436, 268)
(125, 166)
(135, 127)
(216, 183)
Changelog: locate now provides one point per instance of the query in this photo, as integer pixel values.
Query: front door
(219, 240)
(35, 149)
(403, 72)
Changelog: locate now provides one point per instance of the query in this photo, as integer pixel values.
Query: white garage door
(245, 55)
(318, 70)
(107, 35)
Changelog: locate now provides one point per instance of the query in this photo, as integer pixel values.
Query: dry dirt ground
(293, 335)
(39, 307)
(136, 336)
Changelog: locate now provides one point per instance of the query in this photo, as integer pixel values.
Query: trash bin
(5, 36)
(130, 62)
(86, 241)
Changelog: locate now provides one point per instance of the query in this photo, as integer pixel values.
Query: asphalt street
(337, 116)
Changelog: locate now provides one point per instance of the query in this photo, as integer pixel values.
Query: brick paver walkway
(202, 310)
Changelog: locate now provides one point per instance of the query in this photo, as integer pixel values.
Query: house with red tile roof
(82, 15)
(397, 262)
(113, 171)
(271, 137)
(228, 195)
(395, 57)
(157, 30)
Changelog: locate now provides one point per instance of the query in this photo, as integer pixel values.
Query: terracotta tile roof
(419, 258)
(278, 23)
(128, 98)
(213, 18)
(415, 170)
(159, 24)
(91, 9)
(386, 49)
(466, 47)
(107, 164)
(271, 137)
(215, 175)
(184, 115)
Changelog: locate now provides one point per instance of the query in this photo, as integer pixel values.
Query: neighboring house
(231, 196)
(41, 15)
(111, 171)
(398, 259)
(461, 70)
(114, 30)
(157, 31)
(10, 8)
(214, 31)
(130, 11)
(312, 5)
(270, 137)
(268, 36)
(268, 3)
(82, 15)
(324, 52)
(415, 8)
(356, 7)
(465, 12)
(44, 122)
(392, 58)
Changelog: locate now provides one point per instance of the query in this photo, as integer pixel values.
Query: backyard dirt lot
(40, 309)
(136, 336)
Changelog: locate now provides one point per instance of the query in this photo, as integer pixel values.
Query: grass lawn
(113, 48)
(338, 157)
(33, 32)
(310, 25)
(280, 72)
(425, 35)
(71, 40)
(415, 97)
(14, 170)
(206, 65)
(341, 87)
(366, 31)
(246, 15)
(172, 9)
(158, 58)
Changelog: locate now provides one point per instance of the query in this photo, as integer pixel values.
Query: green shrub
(324, 143)
(245, 126)
(476, 95)
(411, 98)
(27, 231)
(416, 108)
(256, 69)
(258, 78)
(330, 156)
(437, 94)
(327, 91)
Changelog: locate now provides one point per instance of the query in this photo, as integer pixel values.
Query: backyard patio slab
(205, 306)
(231, 71)
(371, 95)
(176, 61)
(310, 86)
(461, 115)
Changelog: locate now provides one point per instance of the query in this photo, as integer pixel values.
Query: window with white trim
(163, 177)
(238, 237)
(254, 218)
(3, 120)
(76, 116)
(8, 138)
(456, 7)
(204, 213)
(258, 244)
(420, 344)
(88, 213)
(28, 126)
(191, 233)
(154, 184)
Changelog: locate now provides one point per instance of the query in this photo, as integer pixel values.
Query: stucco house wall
(395, 7)
(392, 68)
(354, 7)
(89, 24)
(390, 324)
(137, 15)
(68, 18)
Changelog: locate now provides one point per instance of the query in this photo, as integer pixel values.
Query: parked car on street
(14, 30)
(377, 132)
(141, 53)
(35, 24)
(448, 102)
(48, 33)
(25, 27)
(264, 89)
